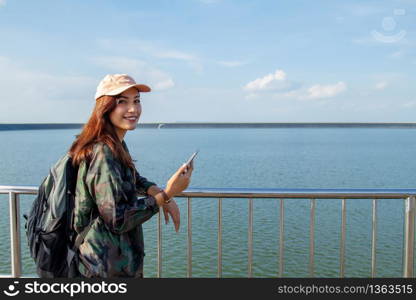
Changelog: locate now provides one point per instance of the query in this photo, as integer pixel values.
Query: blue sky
(212, 60)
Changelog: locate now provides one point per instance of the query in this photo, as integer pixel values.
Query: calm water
(249, 158)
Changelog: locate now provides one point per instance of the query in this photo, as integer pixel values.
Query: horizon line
(77, 123)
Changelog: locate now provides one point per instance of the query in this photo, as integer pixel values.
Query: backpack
(52, 241)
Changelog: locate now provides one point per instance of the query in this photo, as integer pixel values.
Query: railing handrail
(409, 195)
(318, 193)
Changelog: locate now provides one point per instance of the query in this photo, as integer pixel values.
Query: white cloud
(252, 96)
(410, 104)
(277, 85)
(140, 70)
(319, 91)
(397, 54)
(381, 85)
(174, 54)
(145, 48)
(384, 80)
(232, 63)
(149, 48)
(164, 85)
(378, 38)
(294, 94)
(272, 81)
(339, 19)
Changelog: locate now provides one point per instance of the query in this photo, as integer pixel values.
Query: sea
(247, 158)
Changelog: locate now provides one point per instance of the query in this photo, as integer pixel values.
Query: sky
(211, 60)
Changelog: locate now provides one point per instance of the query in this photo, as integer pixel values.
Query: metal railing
(408, 195)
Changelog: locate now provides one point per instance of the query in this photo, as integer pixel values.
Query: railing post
(409, 237)
(159, 244)
(342, 242)
(15, 234)
(250, 238)
(219, 272)
(281, 241)
(312, 239)
(189, 238)
(374, 239)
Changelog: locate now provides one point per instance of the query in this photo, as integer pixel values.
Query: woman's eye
(121, 101)
(137, 101)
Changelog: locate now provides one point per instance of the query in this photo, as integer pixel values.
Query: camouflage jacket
(106, 195)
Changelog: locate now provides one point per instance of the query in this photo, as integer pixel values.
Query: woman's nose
(133, 108)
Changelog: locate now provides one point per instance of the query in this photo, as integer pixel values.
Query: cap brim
(140, 87)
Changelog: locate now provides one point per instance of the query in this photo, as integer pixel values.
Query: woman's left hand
(172, 209)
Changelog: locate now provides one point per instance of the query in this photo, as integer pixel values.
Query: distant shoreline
(39, 126)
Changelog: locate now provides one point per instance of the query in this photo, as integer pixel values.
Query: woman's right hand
(180, 180)
(172, 209)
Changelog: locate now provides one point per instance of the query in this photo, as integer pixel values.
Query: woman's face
(127, 112)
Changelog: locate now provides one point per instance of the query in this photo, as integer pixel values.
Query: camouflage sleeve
(142, 184)
(104, 180)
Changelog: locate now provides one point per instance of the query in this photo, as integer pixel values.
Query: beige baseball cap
(114, 84)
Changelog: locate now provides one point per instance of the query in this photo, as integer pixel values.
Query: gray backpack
(53, 243)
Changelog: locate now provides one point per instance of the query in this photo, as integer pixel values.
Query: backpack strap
(80, 238)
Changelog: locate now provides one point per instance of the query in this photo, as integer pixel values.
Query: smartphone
(190, 160)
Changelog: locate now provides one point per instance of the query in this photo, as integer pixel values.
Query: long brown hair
(99, 129)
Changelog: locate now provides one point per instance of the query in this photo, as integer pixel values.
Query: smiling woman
(107, 209)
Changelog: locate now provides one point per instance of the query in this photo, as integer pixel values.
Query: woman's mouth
(131, 119)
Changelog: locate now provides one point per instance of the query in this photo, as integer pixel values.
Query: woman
(107, 208)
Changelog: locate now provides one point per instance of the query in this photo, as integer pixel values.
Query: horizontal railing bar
(267, 193)
(11, 276)
(20, 189)
(299, 193)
